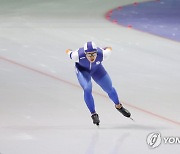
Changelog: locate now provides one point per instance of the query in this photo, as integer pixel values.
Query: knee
(87, 88)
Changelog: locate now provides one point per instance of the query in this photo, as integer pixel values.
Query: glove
(108, 48)
(68, 51)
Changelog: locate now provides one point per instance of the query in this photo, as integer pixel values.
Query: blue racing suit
(85, 70)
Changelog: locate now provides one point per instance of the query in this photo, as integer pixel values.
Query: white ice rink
(42, 110)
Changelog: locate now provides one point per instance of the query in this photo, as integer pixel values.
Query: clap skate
(124, 111)
(95, 119)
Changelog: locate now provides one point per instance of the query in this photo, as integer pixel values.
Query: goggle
(91, 54)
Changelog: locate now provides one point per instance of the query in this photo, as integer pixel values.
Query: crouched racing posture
(88, 63)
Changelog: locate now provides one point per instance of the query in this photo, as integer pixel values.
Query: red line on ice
(74, 85)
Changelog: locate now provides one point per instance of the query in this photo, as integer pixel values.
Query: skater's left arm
(106, 52)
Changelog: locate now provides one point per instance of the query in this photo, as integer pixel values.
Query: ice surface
(41, 104)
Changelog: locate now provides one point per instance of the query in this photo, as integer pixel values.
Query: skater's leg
(85, 81)
(106, 84)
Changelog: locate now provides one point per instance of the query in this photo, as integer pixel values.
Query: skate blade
(132, 119)
(97, 124)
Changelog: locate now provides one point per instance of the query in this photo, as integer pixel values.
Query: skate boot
(124, 111)
(95, 119)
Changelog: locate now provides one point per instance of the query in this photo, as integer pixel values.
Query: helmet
(90, 47)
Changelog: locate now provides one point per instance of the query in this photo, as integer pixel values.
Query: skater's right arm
(73, 55)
